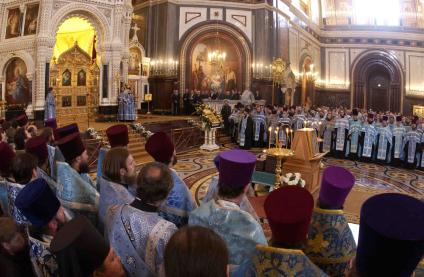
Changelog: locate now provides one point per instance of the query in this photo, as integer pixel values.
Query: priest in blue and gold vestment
(223, 215)
(75, 189)
(331, 244)
(391, 236)
(288, 210)
(117, 136)
(179, 202)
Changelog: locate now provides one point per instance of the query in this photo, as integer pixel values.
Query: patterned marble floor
(197, 170)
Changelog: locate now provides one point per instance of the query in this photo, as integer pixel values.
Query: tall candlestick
(269, 139)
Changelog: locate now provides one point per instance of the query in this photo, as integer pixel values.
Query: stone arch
(25, 56)
(201, 29)
(363, 66)
(87, 12)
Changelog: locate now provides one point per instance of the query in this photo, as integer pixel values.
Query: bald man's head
(154, 182)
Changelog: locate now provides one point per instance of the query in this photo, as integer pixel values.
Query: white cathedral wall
(110, 19)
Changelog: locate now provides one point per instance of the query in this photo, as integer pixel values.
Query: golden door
(75, 81)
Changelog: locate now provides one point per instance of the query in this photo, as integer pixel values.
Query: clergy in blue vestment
(50, 105)
(328, 136)
(122, 105)
(38, 147)
(238, 228)
(131, 106)
(355, 127)
(341, 128)
(118, 137)
(331, 244)
(81, 250)
(384, 141)
(391, 236)
(288, 210)
(259, 119)
(398, 132)
(179, 202)
(368, 139)
(284, 123)
(212, 193)
(119, 176)
(38, 203)
(76, 190)
(136, 231)
(411, 145)
(59, 133)
(7, 154)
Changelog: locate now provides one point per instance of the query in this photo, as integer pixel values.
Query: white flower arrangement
(93, 133)
(141, 130)
(293, 179)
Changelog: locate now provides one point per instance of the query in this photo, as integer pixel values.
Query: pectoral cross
(135, 28)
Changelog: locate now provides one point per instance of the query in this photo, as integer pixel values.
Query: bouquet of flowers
(141, 130)
(93, 133)
(208, 116)
(293, 179)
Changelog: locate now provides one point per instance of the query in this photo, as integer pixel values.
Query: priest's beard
(83, 168)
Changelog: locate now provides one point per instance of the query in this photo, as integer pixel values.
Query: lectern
(306, 159)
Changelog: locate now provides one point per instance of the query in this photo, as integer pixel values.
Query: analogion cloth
(179, 202)
(111, 194)
(139, 238)
(271, 261)
(331, 244)
(238, 228)
(76, 193)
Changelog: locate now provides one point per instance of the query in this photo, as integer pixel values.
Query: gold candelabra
(280, 153)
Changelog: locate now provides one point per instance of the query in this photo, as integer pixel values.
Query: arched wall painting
(18, 90)
(134, 61)
(207, 75)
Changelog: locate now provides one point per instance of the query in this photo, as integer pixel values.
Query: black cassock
(225, 113)
(248, 133)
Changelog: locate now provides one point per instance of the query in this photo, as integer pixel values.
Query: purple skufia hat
(391, 235)
(335, 186)
(236, 167)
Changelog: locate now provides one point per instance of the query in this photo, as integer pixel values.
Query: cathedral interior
(365, 55)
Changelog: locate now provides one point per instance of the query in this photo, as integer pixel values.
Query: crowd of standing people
(381, 137)
(56, 220)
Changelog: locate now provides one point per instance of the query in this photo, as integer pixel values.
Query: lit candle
(291, 135)
(287, 138)
(269, 139)
(278, 138)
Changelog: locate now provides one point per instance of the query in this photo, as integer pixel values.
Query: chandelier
(217, 57)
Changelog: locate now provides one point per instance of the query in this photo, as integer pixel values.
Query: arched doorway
(377, 82)
(74, 74)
